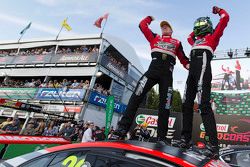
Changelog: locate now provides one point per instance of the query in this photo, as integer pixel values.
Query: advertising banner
(106, 62)
(32, 59)
(74, 57)
(231, 102)
(232, 129)
(101, 100)
(10, 103)
(62, 108)
(151, 118)
(109, 114)
(60, 94)
(6, 59)
(18, 93)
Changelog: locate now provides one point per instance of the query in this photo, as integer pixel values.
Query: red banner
(16, 139)
(10, 103)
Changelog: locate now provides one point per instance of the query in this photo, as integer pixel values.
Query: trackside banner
(151, 118)
(101, 100)
(231, 129)
(18, 93)
(14, 139)
(60, 94)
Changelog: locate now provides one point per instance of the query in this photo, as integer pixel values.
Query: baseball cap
(165, 23)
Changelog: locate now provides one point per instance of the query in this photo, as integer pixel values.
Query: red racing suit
(164, 50)
(199, 80)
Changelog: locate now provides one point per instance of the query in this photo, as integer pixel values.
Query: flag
(98, 22)
(25, 29)
(109, 114)
(66, 25)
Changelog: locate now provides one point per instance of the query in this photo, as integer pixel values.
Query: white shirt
(87, 136)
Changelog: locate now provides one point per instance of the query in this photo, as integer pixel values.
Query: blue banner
(60, 94)
(101, 100)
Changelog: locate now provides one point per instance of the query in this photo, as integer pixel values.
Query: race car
(113, 154)
(236, 155)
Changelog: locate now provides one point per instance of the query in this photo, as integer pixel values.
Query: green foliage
(153, 100)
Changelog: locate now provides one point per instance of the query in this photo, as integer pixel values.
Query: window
(41, 161)
(241, 159)
(69, 158)
(105, 161)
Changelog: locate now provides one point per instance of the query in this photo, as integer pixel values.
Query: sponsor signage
(151, 118)
(61, 108)
(232, 129)
(13, 139)
(101, 100)
(74, 57)
(60, 94)
(10, 103)
(18, 93)
(6, 59)
(31, 59)
(231, 102)
(106, 62)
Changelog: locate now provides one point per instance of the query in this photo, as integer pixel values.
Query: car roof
(172, 154)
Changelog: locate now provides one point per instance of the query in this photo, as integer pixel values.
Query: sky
(124, 17)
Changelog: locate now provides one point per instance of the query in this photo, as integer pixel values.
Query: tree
(177, 102)
(153, 100)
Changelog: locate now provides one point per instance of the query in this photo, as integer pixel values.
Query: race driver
(204, 40)
(164, 50)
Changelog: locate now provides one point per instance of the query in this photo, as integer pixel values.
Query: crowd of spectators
(11, 52)
(50, 50)
(68, 130)
(77, 50)
(117, 62)
(37, 83)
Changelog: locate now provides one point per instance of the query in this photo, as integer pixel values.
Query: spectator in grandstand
(99, 134)
(84, 48)
(75, 84)
(86, 84)
(164, 50)
(67, 131)
(204, 40)
(13, 128)
(50, 129)
(76, 134)
(7, 122)
(40, 127)
(88, 134)
(29, 129)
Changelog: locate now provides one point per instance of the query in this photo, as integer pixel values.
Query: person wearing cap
(164, 50)
(204, 40)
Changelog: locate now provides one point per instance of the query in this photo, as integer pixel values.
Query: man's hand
(216, 10)
(187, 66)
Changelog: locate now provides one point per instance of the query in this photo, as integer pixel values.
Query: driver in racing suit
(164, 50)
(204, 40)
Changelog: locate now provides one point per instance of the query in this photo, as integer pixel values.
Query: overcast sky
(47, 15)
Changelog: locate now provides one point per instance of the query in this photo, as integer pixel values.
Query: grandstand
(70, 76)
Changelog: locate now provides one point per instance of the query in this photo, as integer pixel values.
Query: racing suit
(164, 50)
(199, 80)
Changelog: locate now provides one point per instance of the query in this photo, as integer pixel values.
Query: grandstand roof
(90, 39)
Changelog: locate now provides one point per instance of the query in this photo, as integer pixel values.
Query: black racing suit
(164, 50)
(199, 81)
